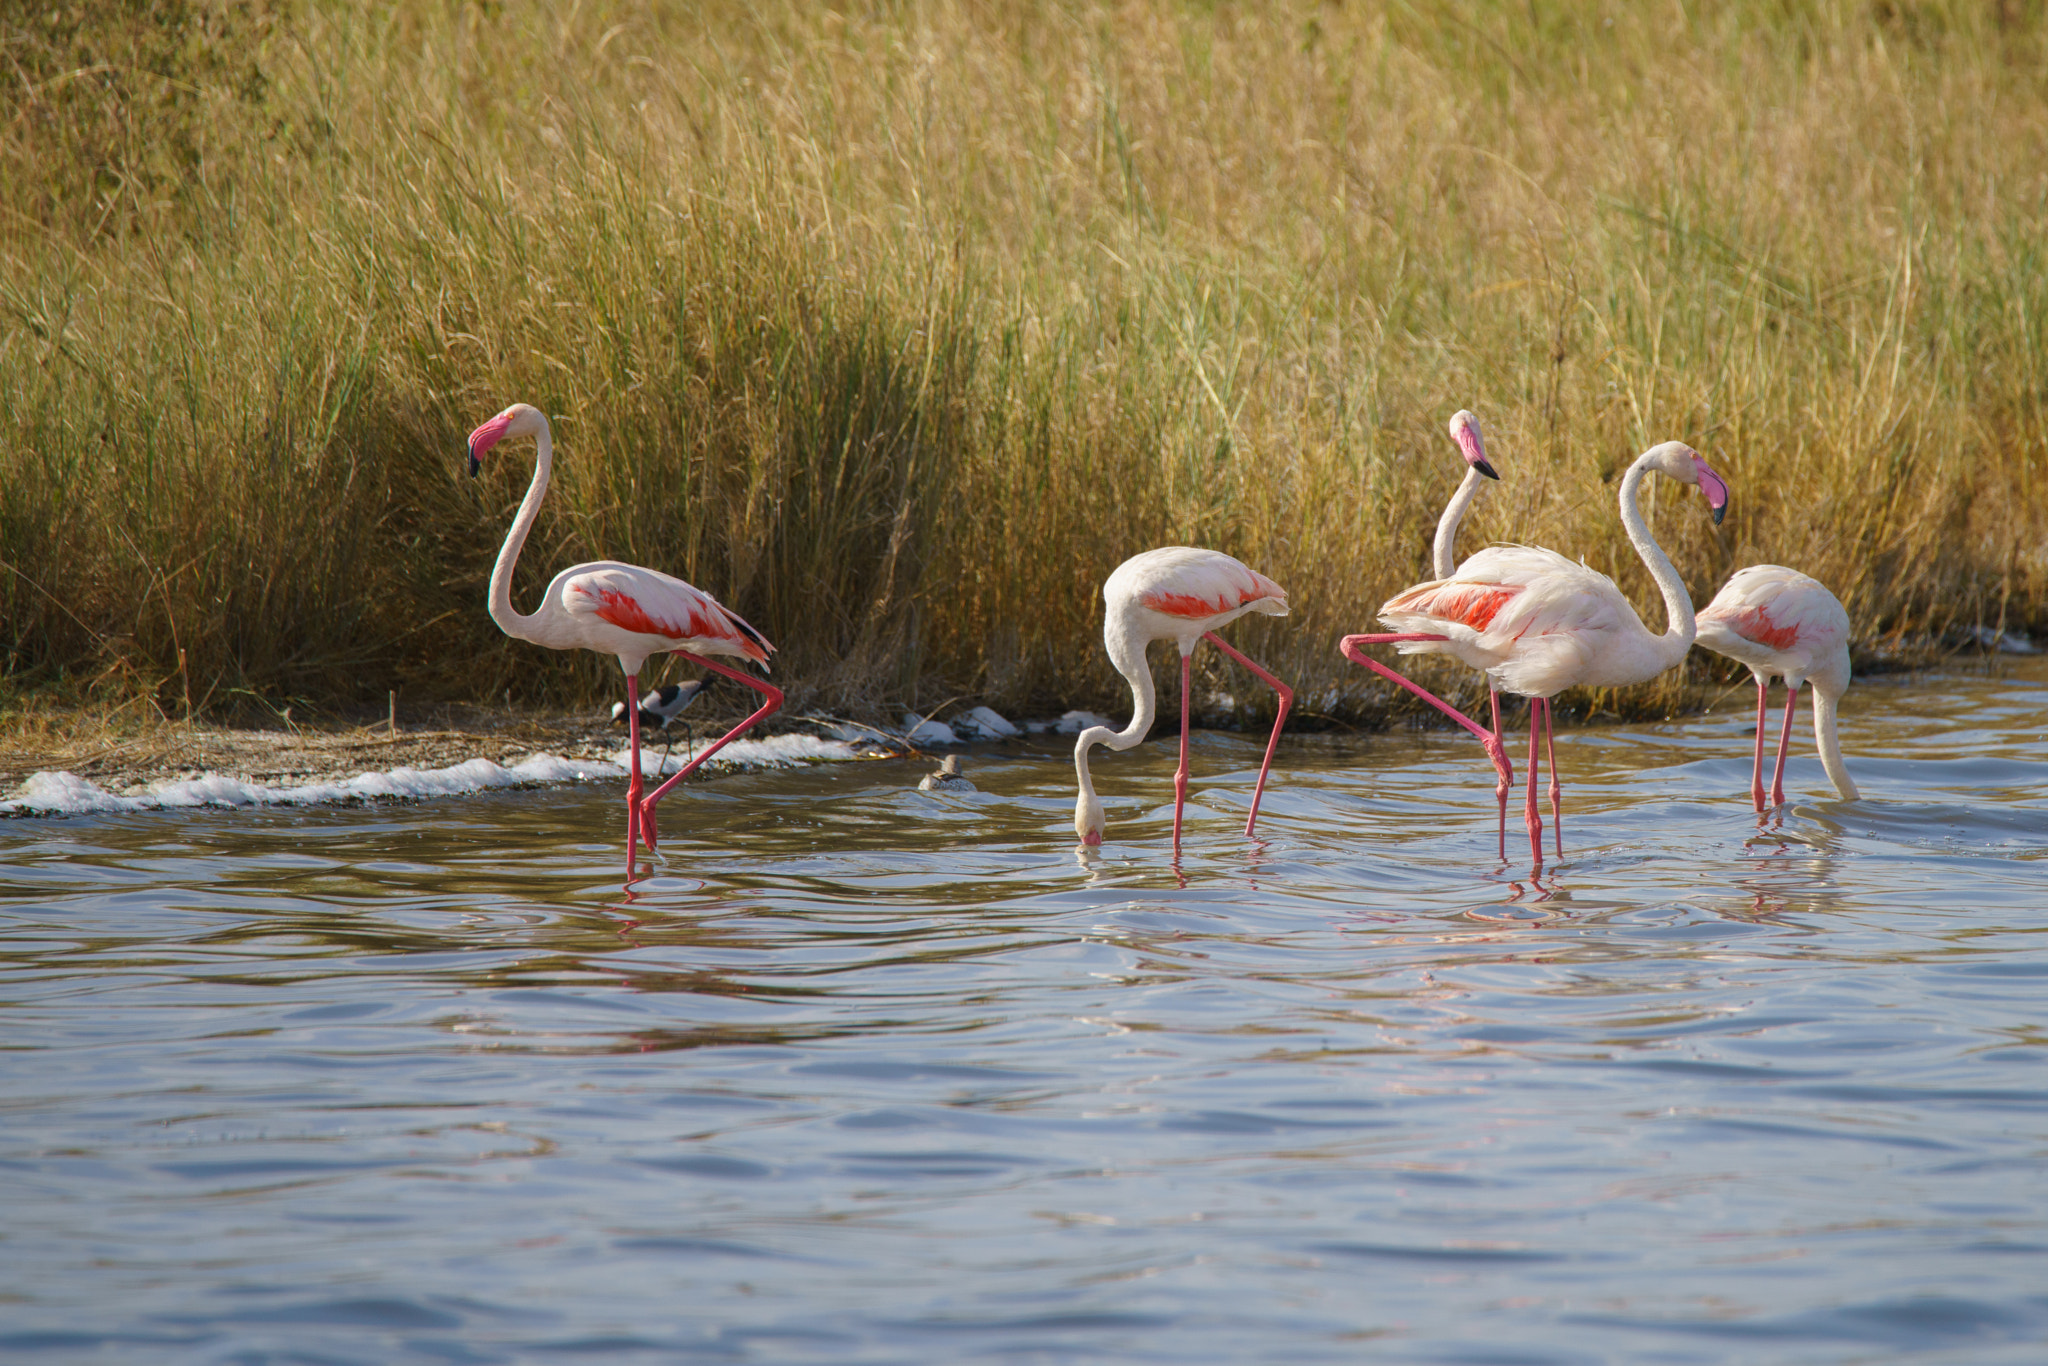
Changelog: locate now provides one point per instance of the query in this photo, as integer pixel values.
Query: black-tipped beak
(1484, 469)
(1719, 513)
(474, 464)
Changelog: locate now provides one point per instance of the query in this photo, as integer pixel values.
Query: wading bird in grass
(1537, 623)
(1179, 594)
(663, 705)
(1783, 624)
(617, 609)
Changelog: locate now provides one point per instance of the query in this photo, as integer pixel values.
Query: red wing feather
(1191, 605)
(1471, 604)
(624, 611)
(1755, 624)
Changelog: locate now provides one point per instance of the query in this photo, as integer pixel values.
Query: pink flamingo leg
(1531, 818)
(1556, 789)
(1286, 700)
(1501, 786)
(1180, 775)
(1756, 767)
(774, 696)
(633, 784)
(1784, 741)
(1495, 750)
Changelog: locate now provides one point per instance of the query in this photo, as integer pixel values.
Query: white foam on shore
(67, 794)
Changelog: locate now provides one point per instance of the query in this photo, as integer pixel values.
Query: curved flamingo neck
(1678, 636)
(1442, 552)
(1828, 686)
(510, 621)
(1127, 652)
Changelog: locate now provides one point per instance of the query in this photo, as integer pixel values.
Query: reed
(898, 330)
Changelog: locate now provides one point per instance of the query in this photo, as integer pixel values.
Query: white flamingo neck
(1828, 686)
(509, 620)
(1127, 652)
(1678, 636)
(1443, 552)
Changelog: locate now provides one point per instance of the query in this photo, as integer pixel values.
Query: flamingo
(1181, 594)
(1537, 623)
(1783, 624)
(617, 609)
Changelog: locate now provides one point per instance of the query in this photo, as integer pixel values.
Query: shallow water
(867, 1075)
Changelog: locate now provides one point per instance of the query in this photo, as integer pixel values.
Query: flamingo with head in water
(1538, 623)
(617, 609)
(1184, 595)
(1783, 624)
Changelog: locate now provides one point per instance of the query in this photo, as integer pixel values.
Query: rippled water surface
(867, 1075)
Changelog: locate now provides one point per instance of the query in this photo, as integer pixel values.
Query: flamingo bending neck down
(1538, 623)
(1783, 624)
(617, 609)
(1181, 594)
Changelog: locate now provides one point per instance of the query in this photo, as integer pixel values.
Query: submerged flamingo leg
(633, 783)
(1495, 750)
(1180, 775)
(1286, 700)
(1784, 741)
(1756, 767)
(1531, 818)
(1556, 788)
(774, 696)
(1502, 786)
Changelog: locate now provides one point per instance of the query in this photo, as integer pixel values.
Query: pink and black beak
(1714, 487)
(483, 438)
(1475, 449)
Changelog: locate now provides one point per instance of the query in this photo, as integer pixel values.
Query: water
(873, 1076)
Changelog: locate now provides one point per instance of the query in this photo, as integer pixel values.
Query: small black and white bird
(664, 705)
(947, 779)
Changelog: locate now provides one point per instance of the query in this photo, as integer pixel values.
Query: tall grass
(898, 330)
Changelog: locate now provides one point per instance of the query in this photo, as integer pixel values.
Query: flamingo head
(1088, 819)
(1679, 461)
(521, 419)
(1465, 431)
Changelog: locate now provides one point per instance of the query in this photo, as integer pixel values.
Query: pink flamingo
(1538, 623)
(1464, 428)
(617, 609)
(1783, 624)
(1180, 594)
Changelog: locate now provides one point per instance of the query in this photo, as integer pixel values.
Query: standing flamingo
(1537, 623)
(616, 609)
(1781, 623)
(1180, 594)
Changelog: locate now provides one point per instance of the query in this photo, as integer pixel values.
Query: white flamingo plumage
(1181, 594)
(1537, 623)
(617, 609)
(1783, 624)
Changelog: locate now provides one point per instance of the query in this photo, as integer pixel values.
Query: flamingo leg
(1286, 700)
(1784, 741)
(1495, 750)
(1530, 816)
(774, 696)
(633, 783)
(1503, 785)
(1756, 767)
(1556, 788)
(1180, 775)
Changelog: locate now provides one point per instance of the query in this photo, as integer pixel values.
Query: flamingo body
(1178, 593)
(1783, 624)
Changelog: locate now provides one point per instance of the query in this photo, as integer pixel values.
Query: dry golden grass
(898, 330)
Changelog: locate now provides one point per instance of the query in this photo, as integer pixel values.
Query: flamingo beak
(1714, 487)
(1475, 451)
(483, 438)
